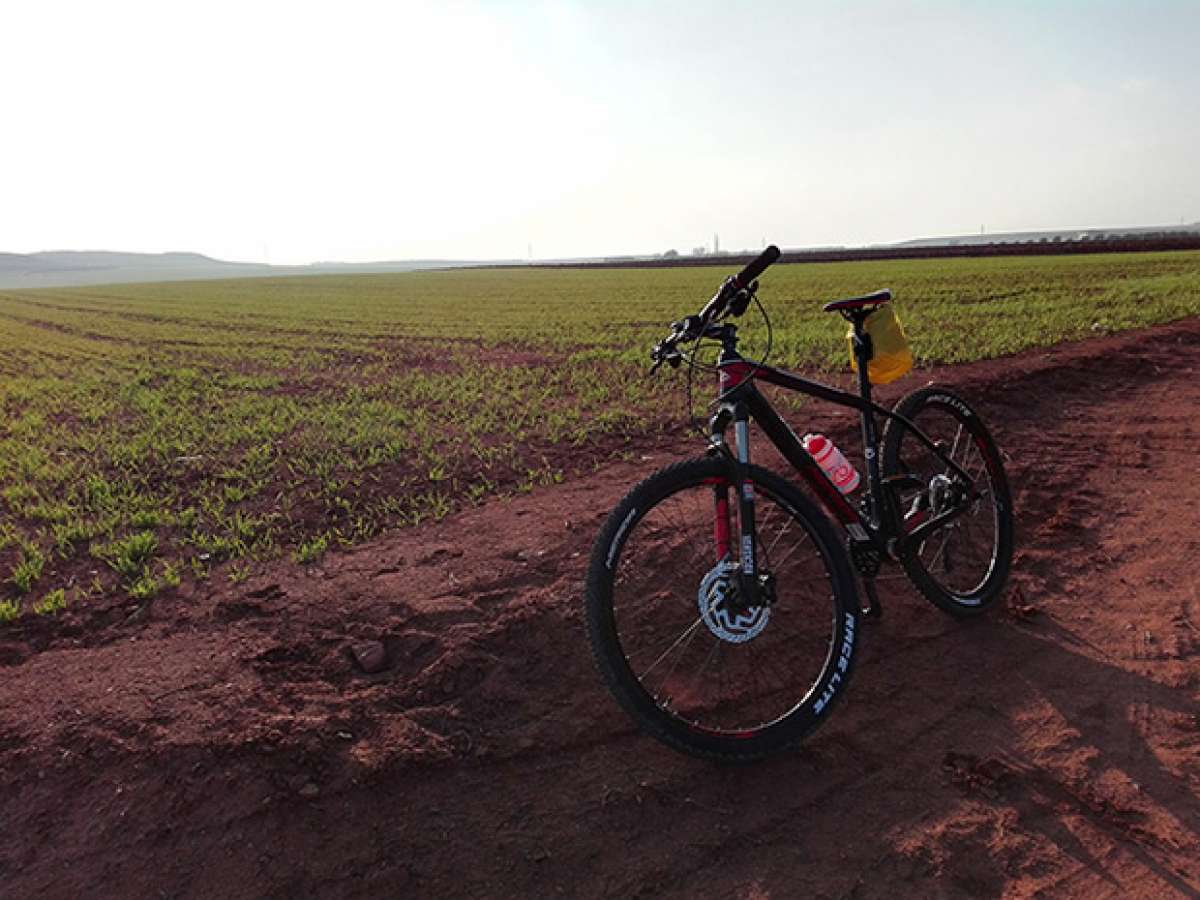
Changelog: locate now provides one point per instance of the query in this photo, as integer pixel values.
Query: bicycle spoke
(666, 679)
(954, 448)
(933, 562)
(779, 537)
(686, 634)
(790, 552)
(699, 553)
(716, 649)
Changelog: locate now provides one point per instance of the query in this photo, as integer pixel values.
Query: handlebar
(757, 266)
(731, 298)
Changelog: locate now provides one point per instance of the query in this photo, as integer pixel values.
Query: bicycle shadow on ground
(1044, 748)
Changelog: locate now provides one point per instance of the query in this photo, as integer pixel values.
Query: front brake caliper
(766, 588)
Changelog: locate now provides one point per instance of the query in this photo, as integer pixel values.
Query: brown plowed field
(223, 744)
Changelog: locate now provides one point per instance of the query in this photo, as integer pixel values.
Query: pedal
(873, 609)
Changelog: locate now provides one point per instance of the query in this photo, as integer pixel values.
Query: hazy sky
(306, 131)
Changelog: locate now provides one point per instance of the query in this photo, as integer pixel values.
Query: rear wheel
(687, 659)
(963, 566)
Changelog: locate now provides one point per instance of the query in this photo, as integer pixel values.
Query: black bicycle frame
(882, 528)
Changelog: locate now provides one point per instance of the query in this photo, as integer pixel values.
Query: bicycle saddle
(876, 299)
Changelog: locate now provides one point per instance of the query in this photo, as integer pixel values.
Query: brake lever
(660, 355)
(673, 361)
(687, 328)
(741, 300)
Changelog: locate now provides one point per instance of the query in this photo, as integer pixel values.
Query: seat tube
(870, 434)
(745, 491)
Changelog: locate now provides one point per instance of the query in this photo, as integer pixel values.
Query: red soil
(224, 744)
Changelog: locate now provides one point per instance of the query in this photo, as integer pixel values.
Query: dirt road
(222, 743)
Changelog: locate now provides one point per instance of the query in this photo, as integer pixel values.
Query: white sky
(304, 131)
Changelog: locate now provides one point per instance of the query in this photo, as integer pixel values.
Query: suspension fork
(743, 546)
(739, 468)
(722, 539)
(721, 521)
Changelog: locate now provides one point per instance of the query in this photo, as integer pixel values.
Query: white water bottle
(832, 461)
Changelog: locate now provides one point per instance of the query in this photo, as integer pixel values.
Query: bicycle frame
(880, 526)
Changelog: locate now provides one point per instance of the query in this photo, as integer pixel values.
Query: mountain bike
(721, 602)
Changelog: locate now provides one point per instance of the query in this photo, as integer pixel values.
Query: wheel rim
(716, 666)
(960, 556)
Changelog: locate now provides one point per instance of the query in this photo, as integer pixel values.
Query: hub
(943, 494)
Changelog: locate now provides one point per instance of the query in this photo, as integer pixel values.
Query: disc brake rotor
(717, 592)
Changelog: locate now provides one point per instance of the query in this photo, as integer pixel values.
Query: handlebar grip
(757, 266)
(688, 327)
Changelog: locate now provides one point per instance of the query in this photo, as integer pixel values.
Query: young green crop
(53, 602)
(151, 432)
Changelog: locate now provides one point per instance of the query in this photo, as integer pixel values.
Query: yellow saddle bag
(891, 356)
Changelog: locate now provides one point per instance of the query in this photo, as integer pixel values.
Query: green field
(154, 431)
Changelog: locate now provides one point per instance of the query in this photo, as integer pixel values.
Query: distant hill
(61, 268)
(1069, 234)
(55, 268)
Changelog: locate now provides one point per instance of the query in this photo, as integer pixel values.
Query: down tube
(783, 438)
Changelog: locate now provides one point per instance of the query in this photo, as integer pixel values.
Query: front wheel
(696, 668)
(961, 567)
